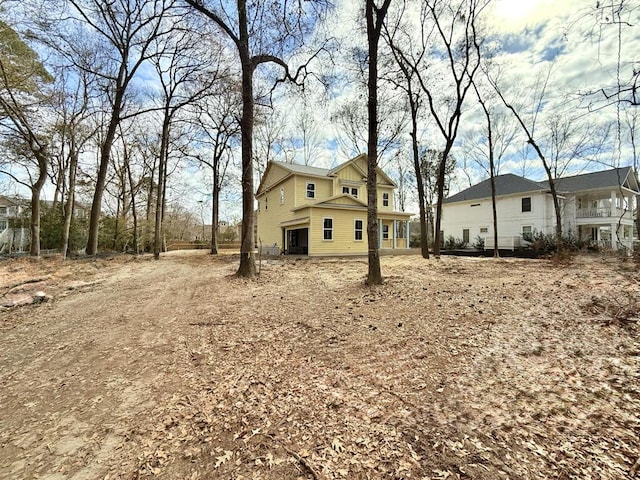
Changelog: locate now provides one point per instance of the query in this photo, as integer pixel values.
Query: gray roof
(594, 180)
(303, 169)
(508, 184)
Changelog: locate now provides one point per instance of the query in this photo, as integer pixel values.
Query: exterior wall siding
(271, 212)
(324, 189)
(511, 219)
(343, 233)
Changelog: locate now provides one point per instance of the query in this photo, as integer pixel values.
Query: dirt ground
(458, 368)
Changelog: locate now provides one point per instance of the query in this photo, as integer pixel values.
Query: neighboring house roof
(511, 184)
(507, 184)
(595, 180)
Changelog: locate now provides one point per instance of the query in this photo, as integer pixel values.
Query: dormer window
(311, 190)
(353, 191)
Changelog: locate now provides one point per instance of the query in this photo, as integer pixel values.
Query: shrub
(452, 243)
(478, 244)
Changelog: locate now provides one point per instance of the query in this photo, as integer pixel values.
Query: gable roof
(508, 184)
(297, 169)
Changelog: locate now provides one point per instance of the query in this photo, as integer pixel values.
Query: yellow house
(316, 211)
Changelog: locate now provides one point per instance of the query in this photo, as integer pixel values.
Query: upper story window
(350, 191)
(311, 190)
(266, 203)
(385, 199)
(3, 225)
(526, 204)
(282, 196)
(3, 210)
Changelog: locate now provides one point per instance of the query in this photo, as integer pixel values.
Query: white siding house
(597, 207)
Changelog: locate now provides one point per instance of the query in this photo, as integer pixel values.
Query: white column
(380, 233)
(395, 234)
(614, 210)
(406, 237)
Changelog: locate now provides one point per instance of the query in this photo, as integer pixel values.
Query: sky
(535, 38)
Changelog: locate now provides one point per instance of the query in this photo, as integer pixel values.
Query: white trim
(324, 229)
(355, 230)
(313, 190)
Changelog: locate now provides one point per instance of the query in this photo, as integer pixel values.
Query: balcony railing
(593, 212)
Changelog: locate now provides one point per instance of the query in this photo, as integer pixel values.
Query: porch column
(395, 234)
(380, 233)
(614, 209)
(614, 235)
(406, 236)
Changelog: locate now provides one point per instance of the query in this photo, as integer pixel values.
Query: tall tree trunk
(69, 204)
(162, 178)
(134, 211)
(215, 210)
(375, 18)
(424, 236)
(247, 266)
(101, 179)
(36, 189)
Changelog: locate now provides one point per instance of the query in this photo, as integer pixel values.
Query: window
(258, 206)
(3, 210)
(527, 233)
(385, 199)
(311, 190)
(385, 232)
(345, 190)
(465, 235)
(358, 229)
(526, 204)
(354, 192)
(484, 229)
(327, 229)
(3, 225)
(282, 196)
(266, 203)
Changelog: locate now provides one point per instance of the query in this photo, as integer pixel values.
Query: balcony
(593, 212)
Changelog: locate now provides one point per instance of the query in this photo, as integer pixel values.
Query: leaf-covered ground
(457, 368)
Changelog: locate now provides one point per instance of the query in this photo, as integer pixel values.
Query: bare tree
(187, 75)
(25, 101)
(399, 41)
(124, 33)
(218, 121)
(262, 33)
(375, 16)
(456, 28)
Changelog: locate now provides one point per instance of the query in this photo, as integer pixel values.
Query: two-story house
(317, 211)
(597, 207)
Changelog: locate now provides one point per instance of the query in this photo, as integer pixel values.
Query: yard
(126, 368)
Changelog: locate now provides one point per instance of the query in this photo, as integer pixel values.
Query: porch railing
(593, 212)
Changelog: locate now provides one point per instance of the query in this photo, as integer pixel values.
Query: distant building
(14, 224)
(597, 207)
